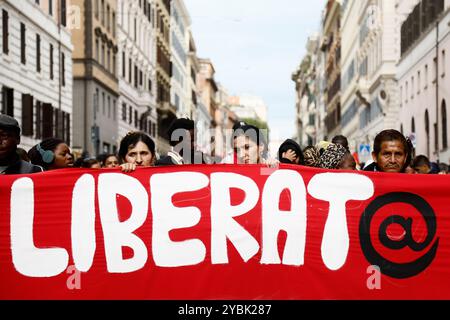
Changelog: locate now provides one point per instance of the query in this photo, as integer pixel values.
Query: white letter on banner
(223, 225)
(120, 234)
(27, 259)
(83, 222)
(337, 189)
(293, 221)
(167, 217)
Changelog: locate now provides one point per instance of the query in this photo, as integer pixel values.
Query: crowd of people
(392, 152)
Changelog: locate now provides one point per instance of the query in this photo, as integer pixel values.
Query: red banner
(224, 232)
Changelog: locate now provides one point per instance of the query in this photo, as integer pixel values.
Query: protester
(182, 143)
(409, 159)
(251, 146)
(231, 156)
(78, 163)
(311, 156)
(91, 163)
(10, 161)
(136, 149)
(51, 154)
(390, 152)
(342, 140)
(443, 168)
(410, 170)
(23, 154)
(290, 152)
(110, 161)
(335, 156)
(434, 168)
(322, 146)
(421, 164)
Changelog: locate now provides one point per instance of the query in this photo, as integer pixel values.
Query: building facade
(377, 56)
(207, 87)
(309, 81)
(137, 67)
(350, 88)
(179, 46)
(198, 112)
(166, 111)
(193, 68)
(248, 106)
(36, 68)
(331, 46)
(224, 120)
(423, 76)
(351, 104)
(96, 85)
(203, 127)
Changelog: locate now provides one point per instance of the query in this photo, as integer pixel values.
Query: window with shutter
(38, 134)
(23, 50)
(47, 123)
(5, 31)
(27, 115)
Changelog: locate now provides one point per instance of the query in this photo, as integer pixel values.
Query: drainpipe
(59, 61)
(437, 91)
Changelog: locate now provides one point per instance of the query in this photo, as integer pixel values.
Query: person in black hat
(10, 162)
(183, 145)
(290, 152)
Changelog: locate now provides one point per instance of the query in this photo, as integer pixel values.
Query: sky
(255, 46)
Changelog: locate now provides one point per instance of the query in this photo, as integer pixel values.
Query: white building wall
(320, 96)
(192, 85)
(377, 42)
(349, 80)
(142, 52)
(419, 97)
(179, 46)
(24, 78)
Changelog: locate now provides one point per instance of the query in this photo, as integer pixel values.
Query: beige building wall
(95, 63)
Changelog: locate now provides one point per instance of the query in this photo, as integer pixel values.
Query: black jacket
(170, 161)
(22, 167)
(165, 161)
(371, 167)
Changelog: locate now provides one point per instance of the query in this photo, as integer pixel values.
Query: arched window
(444, 125)
(427, 132)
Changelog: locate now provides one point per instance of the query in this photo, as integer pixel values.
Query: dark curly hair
(49, 144)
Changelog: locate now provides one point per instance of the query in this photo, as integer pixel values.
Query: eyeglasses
(4, 135)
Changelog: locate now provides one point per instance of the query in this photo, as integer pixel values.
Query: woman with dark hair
(110, 161)
(251, 146)
(136, 149)
(51, 154)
